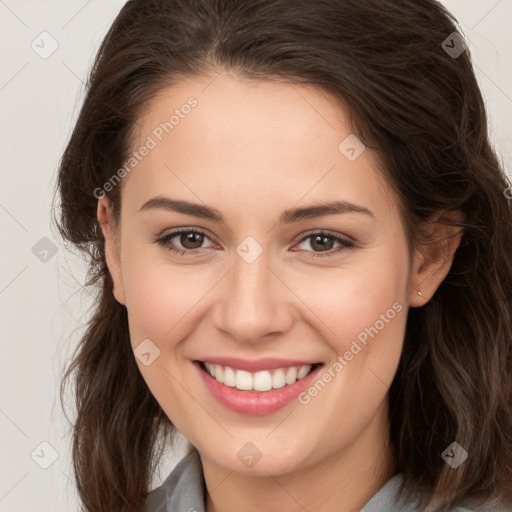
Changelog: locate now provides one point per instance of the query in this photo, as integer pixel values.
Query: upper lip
(255, 365)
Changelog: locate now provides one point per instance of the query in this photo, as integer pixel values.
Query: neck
(343, 481)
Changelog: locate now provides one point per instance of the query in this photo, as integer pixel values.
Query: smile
(257, 381)
(257, 392)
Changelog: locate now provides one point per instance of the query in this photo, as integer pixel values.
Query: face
(254, 279)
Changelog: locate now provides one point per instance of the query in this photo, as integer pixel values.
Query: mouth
(260, 381)
(260, 392)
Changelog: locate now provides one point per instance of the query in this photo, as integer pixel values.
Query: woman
(302, 244)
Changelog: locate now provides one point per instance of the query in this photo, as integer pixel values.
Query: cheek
(161, 297)
(365, 310)
(356, 297)
(371, 323)
(370, 304)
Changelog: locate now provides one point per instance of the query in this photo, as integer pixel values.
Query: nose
(253, 303)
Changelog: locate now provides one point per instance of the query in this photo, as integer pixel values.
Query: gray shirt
(184, 490)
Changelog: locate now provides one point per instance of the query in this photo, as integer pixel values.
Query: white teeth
(257, 381)
(278, 379)
(229, 377)
(219, 373)
(304, 370)
(243, 380)
(262, 381)
(211, 369)
(291, 375)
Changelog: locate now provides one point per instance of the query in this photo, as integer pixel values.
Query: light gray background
(43, 305)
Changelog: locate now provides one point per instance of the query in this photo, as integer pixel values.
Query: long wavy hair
(419, 108)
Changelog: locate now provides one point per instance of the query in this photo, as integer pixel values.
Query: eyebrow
(287, 217)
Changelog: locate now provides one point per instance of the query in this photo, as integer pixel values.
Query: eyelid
(164, 239)
(320, 231)
(345, 243)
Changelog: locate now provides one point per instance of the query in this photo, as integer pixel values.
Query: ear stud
(420, 294)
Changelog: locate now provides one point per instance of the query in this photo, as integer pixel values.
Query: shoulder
(183, 489)
(478, 506)
(488, 506)
(390, 497)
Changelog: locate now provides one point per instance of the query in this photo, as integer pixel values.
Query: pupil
(324, 241)
(189, 239)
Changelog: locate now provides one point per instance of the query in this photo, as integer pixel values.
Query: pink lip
(256, 403)
(257, 365)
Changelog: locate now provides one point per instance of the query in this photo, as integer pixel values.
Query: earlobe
(432, 263)
(112, 256)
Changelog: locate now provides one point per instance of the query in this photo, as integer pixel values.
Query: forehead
(249, 141)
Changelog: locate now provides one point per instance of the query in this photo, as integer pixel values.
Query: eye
(323, 242)
(191, 241)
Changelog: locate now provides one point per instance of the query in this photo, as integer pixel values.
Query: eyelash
(344, 244)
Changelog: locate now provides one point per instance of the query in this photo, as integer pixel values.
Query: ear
(112, 255)
(433, 260)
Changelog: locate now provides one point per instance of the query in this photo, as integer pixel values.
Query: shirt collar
(185, 489)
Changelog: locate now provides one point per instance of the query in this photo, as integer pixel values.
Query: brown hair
(420, 109)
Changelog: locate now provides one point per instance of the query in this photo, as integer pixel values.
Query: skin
(252, 150)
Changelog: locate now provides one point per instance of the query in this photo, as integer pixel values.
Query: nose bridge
(255, 302)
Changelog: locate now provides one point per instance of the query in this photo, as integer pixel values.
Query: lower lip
(256, 403)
